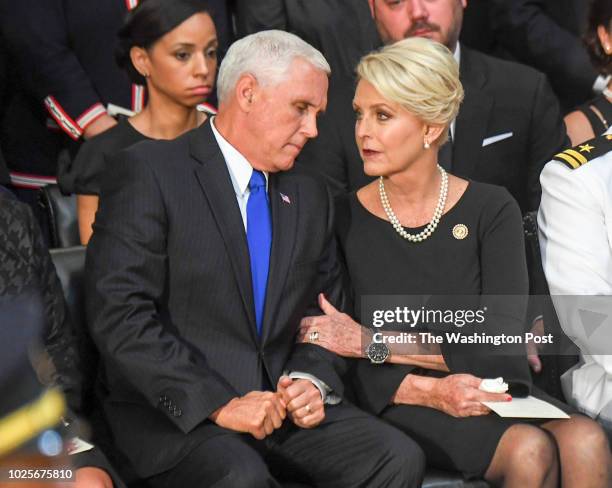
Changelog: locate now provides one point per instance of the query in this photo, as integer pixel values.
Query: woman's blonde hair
(419, 74)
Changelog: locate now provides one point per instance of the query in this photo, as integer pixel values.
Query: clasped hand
(260, 413)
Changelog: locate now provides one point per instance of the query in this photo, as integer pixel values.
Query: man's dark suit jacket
(169, 296)
(547, 34)
(501, 98)
(341, 29)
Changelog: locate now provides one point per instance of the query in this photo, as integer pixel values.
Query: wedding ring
(313, 336)
(307, 408)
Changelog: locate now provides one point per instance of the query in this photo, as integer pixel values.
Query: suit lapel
(283, 196)
(214, 178)
(472, 121)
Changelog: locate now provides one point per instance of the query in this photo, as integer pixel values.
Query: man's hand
(532, 349)
(303, 400)
(101, 124)
(259, 413)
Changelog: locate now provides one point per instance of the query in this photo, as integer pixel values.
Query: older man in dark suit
(203, 260)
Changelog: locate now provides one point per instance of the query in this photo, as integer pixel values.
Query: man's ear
(247, 88)
(372, 7)
(140, 60)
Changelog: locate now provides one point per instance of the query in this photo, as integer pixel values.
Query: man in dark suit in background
(341, 29)
(508, 127)
(547, 34)
(203, 261)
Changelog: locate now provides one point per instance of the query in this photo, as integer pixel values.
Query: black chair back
(61, 212)
(70, 267)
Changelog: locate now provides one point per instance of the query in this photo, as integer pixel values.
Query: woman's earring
(426, 143)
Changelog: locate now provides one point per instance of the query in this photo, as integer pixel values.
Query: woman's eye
(382, 116)
(357, 114)
(182, 55)
(211, 53)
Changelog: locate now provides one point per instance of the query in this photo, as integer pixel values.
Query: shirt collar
(457, 54)
(239, 167)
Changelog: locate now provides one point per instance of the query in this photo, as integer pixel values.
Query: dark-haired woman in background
(595, 117)
(171, 47)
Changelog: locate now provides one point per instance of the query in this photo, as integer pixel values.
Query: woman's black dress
(83, 175)
(489, 262)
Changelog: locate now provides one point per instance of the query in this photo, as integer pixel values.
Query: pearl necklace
(425, 233)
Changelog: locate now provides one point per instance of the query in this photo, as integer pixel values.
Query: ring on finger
(308, 409)
(313, 336)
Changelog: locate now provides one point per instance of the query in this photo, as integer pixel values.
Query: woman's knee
(582, 436)
(529, 448)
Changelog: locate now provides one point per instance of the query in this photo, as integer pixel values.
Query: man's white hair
(266, 55)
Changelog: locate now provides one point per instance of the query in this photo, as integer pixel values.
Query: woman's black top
(83, 176)
(486, 268)
(599, 114)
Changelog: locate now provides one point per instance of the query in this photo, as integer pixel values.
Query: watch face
(378, 352)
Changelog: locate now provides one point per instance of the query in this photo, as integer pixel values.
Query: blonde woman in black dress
(418, 230)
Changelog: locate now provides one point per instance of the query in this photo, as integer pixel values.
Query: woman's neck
(165, 120)
(415, 184)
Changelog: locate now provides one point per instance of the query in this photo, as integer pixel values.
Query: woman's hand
(335, 331)
(456, 394)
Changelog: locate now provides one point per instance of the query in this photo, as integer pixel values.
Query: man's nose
(310, 126)
(418, 10)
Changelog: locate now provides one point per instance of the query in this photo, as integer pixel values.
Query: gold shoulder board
(587, 151)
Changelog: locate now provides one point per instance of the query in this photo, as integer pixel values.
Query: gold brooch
(460, 231)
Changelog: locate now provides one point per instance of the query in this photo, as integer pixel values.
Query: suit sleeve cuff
(74, 128)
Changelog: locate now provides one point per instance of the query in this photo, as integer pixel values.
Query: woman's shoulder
(487, 195)
(494, 205)
(111, 141)
(80, 175)
(490, 202)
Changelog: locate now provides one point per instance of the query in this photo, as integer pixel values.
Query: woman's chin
(374, 170)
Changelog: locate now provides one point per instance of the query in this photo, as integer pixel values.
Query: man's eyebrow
(308, 104)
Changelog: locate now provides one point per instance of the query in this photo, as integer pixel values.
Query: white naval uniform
(575, 223)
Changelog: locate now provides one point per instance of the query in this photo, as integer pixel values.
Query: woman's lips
(369, 153)
(201, 90)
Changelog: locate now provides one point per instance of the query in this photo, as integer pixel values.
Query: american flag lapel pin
(285, 199)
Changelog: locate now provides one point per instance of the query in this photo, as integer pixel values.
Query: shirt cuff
(327, 395)
(533, 322)
(601, 83)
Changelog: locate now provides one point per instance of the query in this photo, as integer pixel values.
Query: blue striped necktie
(259, 238)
